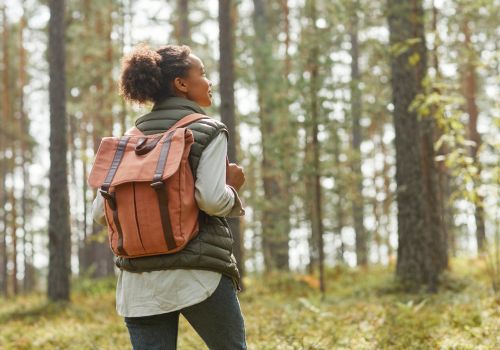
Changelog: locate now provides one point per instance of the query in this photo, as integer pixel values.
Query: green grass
(363, 309)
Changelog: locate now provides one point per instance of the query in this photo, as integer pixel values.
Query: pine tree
(182, 31)
(469, 83)
(420, 259)
(276, 214)
(92, 95)
(26, 144)
(4, 166)
(59, 225)
(227, 12)
(356, 113)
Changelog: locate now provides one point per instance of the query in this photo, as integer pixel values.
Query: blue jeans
(217, 320)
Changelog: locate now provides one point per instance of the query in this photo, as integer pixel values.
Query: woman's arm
(212, 194)
(98, 210)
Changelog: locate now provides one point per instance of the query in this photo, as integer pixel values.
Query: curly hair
(147, 74)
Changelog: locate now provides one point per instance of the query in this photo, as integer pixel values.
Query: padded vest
(212, 248)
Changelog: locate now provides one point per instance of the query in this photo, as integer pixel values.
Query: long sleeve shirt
(156, 292)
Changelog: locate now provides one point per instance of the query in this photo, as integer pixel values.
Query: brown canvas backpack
(148, 188)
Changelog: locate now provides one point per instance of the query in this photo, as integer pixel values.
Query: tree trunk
(339, 192)
(356, 111)
(3, 148)
(288, 135)
(388, 200)
(317, 208)
(182, 27)
(123, 103)
(227, 13)
(73, 155)
(433, 201)
(286, 16)
(275, 217)
(25, 160)
(444, 179)
(106, 255)
(470, 89)
(376, 204)
(59, 225)
(101, 255)
(13, 232)
(308, 184)
(420, 243)
(85, 253)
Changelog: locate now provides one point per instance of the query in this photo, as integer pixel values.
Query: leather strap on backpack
(159, 186)
(188, 119)
(110, 197)
(184, 121)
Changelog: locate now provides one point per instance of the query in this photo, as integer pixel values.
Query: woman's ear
(180, 85)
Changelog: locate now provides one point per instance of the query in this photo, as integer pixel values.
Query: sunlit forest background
(368, 132)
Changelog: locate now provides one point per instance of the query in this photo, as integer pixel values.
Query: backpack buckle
(143, 147)
(109, 197)
(158, 185)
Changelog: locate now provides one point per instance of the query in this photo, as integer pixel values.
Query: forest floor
(363, 309)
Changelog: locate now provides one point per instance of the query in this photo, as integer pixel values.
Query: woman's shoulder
(210, 121)
(208, 128)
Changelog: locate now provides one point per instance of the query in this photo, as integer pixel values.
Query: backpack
(148, 190)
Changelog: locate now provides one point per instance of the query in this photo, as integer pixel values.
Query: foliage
(363, 309)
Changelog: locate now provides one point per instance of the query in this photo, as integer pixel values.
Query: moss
(363, 309)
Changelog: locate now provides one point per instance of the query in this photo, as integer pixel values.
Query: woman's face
(196, 87)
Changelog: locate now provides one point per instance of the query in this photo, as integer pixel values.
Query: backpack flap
(133, 167)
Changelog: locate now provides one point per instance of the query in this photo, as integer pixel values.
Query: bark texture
(59, 224)
(227, 14)
(420, 259)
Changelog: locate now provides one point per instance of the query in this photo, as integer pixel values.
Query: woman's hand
(235, 176)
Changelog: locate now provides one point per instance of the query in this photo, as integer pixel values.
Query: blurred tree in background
(58, 286)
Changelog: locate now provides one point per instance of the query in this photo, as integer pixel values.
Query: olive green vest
(212, 248)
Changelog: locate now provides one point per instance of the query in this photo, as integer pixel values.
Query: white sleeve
(98, 210)
(212, 194)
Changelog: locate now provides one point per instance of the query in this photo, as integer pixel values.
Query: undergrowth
(362, 309)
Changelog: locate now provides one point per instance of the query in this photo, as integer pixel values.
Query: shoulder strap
(189, 119)
(134, 131)
(184, 121)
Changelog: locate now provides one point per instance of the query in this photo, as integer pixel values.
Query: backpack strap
(159, 186)
(134, 131)
(188, 119)
(110, 197)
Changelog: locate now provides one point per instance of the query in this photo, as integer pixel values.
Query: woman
(200, 282)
